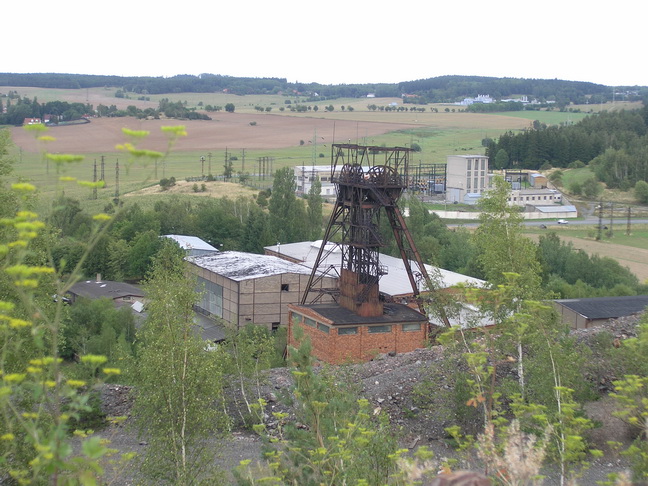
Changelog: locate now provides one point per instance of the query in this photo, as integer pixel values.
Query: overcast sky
(330, 42)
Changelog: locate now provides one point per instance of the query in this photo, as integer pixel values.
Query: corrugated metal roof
(191, 242)
(606, 307)
(395, 282)
(239, 266)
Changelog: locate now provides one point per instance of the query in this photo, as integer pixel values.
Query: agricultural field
(258, 142)
(629, 250)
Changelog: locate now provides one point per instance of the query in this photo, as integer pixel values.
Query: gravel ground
(387, 383)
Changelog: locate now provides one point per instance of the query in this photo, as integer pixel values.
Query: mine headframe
(368, 180)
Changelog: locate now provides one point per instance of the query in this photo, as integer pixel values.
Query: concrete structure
(306, 174)
(467, 178)
(538, 180)
(243, 288)
(586, 313)
(192, 245)
(535, 197)
(339, 335)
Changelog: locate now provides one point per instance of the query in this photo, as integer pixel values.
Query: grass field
(284, 138)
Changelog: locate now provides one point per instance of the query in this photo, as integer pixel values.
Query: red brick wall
(363, 346)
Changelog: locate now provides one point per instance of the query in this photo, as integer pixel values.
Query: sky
(330, 42)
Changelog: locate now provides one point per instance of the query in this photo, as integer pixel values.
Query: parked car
(563, 221)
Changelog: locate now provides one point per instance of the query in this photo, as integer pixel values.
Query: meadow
(257, 142)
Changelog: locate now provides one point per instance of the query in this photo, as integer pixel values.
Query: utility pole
(209, 156)
(202, 166)
(628, 225)
(600, 224)
(611, 218)
(94, 179)
(117, 183)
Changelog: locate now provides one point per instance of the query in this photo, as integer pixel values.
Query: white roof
(395, 282)
(316, 168)
(239, 266)
(557, 209)
(191, 242)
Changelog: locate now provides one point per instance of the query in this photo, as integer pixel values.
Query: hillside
(431, 90)
(390, 383)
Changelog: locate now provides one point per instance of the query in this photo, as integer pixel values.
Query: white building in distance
(305, 175)
(467, 177)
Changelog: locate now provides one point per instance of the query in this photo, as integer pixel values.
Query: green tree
(641, 192)
(229, 107)
(287, 213)
(592, 188)
(501, 246)
(342, 442)
(315, 203)
(501, 159)
(179, 382)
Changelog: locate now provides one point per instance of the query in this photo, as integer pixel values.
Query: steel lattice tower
(368, 180)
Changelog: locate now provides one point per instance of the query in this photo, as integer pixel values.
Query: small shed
(121, 293)
(586, 313)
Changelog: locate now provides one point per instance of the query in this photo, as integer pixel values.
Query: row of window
(476, 166)
(540, 198)
(349, 331)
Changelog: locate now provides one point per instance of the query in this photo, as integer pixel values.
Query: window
(414, 326)
(469, 164)
(285, 287)
(275, 326)
(379, 329)
(211, 297)
(323, 327)
(310, 322)
(296, 319)
(346, 331)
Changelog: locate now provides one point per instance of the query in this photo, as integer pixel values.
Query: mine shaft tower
(368, 179)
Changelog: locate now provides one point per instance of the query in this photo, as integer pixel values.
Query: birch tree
(179, 382)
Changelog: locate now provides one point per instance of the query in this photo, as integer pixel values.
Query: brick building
(339, 335)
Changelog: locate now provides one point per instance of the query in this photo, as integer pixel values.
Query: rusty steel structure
(369, 182)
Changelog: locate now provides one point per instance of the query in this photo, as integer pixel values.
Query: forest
(442, 89)
(52, 354)
(14, 109)
(613, 144)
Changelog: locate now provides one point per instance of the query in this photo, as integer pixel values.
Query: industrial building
(590, 312)
(467, 178)
(242, 288)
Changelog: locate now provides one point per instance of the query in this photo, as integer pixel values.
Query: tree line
(15, 109)
(612, 143)
(430, 90)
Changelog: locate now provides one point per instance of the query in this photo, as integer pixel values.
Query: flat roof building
(243, 288)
